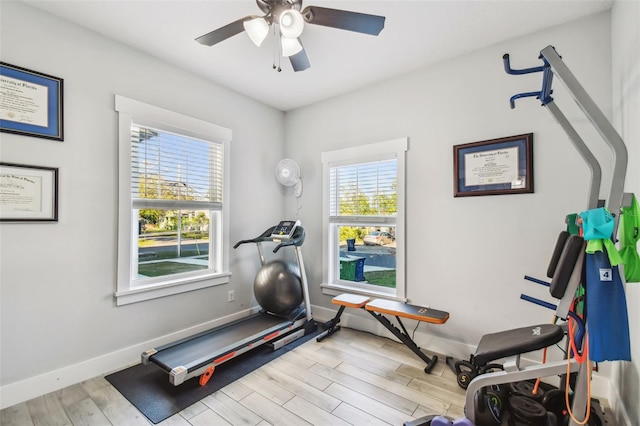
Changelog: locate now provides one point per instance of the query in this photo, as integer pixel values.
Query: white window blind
(175, 170)
(363, 189)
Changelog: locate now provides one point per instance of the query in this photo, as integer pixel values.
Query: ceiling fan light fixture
(290, 19)
(291, 23)
(257, 30)
(290, 46)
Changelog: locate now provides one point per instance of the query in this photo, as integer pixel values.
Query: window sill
(154, 291)
(336, 289)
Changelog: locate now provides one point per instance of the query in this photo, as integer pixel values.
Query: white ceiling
(416, 34)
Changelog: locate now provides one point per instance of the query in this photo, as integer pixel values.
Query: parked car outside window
(378, 238)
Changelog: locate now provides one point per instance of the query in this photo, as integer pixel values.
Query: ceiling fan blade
(344, 20)
(223, 33)
(300, 61)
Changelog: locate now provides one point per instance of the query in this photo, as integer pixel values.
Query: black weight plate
(527, 409)
(488, 408)
(554, 400)
(525, 388)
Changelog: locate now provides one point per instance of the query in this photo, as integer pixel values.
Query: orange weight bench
(378, 308)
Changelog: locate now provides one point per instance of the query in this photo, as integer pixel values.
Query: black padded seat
(516, 341)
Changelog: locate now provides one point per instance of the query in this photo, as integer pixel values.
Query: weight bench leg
(406, 339)
(331, 326)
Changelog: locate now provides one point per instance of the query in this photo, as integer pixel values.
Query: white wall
(464, 255)
(58, 279)
(625, 26)
(467, 255)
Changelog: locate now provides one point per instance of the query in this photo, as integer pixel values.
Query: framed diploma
(28, 193)
(30, 103)
(493, 167)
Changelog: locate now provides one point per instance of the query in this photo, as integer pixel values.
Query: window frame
(331, 283)
(129, 290)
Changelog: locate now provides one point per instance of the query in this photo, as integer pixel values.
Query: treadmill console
(285, 229)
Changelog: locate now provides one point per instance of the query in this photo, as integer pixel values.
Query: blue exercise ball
(278, 288)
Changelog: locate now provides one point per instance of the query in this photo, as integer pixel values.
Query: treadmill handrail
(262, 237)
(297, 239)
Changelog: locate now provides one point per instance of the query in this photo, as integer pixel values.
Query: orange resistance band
(581, 359)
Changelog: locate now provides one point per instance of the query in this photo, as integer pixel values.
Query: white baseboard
(618, 408)
(24, 390)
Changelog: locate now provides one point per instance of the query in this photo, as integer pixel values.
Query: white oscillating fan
(288, 174)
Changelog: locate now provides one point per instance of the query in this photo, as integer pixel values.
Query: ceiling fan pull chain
(275, 46)
(276, 50)
(279, 60)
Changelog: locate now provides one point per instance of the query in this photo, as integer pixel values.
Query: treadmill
(198, 355)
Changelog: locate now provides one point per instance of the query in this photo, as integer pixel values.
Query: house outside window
(173, 181)
(364, 219)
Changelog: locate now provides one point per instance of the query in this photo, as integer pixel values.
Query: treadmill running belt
(210, 345)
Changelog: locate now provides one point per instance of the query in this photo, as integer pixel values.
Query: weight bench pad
(405, 310)
(517, 341)
(350, 300)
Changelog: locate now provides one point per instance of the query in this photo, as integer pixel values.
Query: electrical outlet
(230, 296)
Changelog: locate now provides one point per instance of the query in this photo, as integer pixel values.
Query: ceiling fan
(290, 19)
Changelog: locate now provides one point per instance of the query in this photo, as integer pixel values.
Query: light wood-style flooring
(350, 378)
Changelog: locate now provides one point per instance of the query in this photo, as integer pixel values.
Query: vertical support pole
(601, 123)
(583, 150)
(579, 405)
(260, 253)
(305, 284)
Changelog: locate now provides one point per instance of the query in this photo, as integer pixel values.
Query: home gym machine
(282, 291)
(487, 390)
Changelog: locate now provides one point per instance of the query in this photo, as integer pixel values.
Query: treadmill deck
(192, 353)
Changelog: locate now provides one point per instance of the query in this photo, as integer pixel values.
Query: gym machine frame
(553, 65)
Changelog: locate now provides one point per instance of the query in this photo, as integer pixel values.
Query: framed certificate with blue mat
(30, 103)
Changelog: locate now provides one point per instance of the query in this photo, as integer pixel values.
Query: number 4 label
(605, 274)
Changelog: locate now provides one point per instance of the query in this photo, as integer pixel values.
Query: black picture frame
(28, 193)
(31, 103)
(494, 167)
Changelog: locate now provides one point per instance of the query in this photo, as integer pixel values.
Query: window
(173, 180)
(364, 219)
